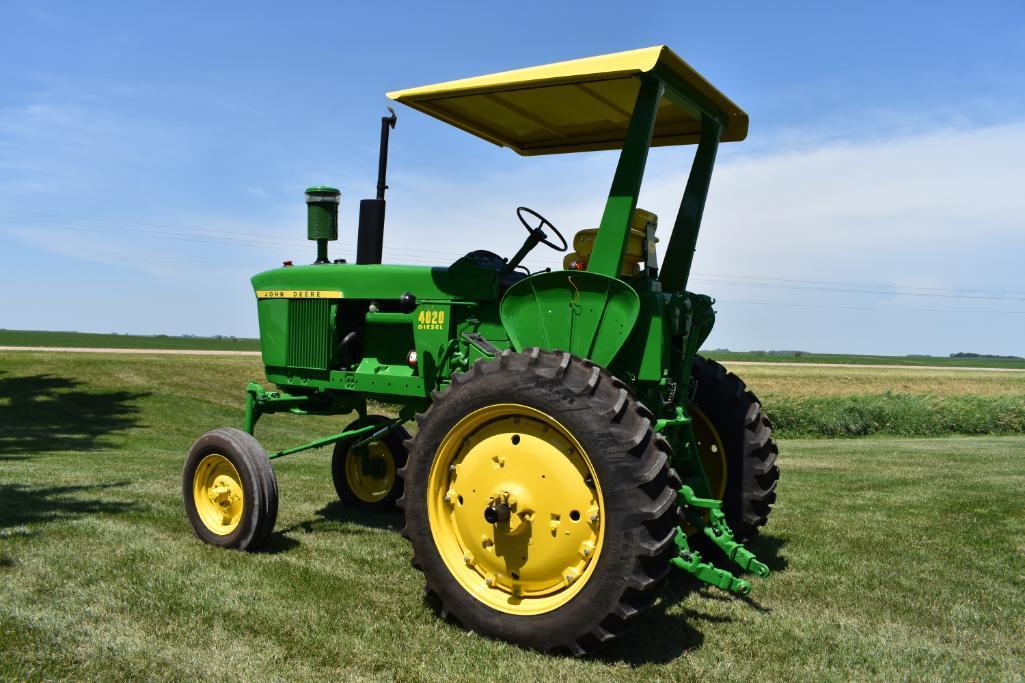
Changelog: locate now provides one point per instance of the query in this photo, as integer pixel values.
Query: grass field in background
(765, 357)
(163, 341)
(838, 401)
(123, 341)
(892, 558)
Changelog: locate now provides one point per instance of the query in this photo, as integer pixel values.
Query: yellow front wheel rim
(370, 477)
(543, 553)
(218, 494)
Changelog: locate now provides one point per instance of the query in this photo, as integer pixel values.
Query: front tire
(368, 481)
(586, 537)
(229, 490)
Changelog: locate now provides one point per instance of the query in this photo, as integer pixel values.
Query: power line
(422, 256)
(183, 233)
(877, 309)
(856, 284)
(895, 290)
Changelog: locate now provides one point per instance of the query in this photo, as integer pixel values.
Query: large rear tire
(582, 544)
(746, 437)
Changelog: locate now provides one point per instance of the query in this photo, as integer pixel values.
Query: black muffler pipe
(370, 242)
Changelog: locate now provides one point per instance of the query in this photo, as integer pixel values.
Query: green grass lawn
(89, 340)
(892, 558)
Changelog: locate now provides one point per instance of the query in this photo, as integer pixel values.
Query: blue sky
(153, 157)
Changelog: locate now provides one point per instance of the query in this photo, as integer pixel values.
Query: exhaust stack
(370, 242)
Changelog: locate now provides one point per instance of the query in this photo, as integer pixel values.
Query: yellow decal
(298, 294)
(430, 320)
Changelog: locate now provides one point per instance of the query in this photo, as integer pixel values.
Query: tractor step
(719, 533)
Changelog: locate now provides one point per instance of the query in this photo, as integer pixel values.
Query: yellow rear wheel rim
(543, 555)
(372, 480)
(710, 448)
(218, 494)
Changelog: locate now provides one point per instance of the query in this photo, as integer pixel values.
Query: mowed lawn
(892, 558)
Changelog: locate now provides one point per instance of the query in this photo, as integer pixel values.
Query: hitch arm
(719, 532)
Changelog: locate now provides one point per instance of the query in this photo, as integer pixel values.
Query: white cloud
(943, 209)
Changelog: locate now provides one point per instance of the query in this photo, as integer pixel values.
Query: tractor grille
(309, 335)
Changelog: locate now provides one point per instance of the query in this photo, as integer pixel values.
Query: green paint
(614, 229)
(680, 251)
(718, 532)
(587, 314)
(322, 212)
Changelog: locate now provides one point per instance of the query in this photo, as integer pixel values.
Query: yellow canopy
(580, 105)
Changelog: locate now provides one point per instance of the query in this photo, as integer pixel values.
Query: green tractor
(570, 446)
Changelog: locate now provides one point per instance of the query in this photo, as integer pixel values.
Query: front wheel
(539, 502)
(365, 476)
(229, 490)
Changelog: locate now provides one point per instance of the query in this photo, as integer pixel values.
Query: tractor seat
(637, 247)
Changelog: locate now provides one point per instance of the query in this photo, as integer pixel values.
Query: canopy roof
(580, 105)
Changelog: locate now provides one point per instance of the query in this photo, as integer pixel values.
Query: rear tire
(746, 435)
(633, 519)
(229, 490)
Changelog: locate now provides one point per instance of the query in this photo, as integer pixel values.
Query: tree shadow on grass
(51, 413)
(22, 507)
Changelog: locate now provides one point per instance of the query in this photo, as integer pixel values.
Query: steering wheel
(523, 213)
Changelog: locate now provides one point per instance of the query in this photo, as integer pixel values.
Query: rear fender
(588, 314)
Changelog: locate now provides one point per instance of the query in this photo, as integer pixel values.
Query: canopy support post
(680, 253)
(611, 241)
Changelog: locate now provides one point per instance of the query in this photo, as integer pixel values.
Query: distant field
(761, 357)
(773, 382)
(892, 559)
(832, 401)
(127, 341)
(123, 341)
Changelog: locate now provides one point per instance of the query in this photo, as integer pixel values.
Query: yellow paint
(636, 253)
(365, 486)
(218, 494)
(298, 294)
(430, 320)
(546, 552)
(574, 106)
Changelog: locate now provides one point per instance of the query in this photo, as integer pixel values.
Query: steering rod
(536, 236)
(532, 241)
